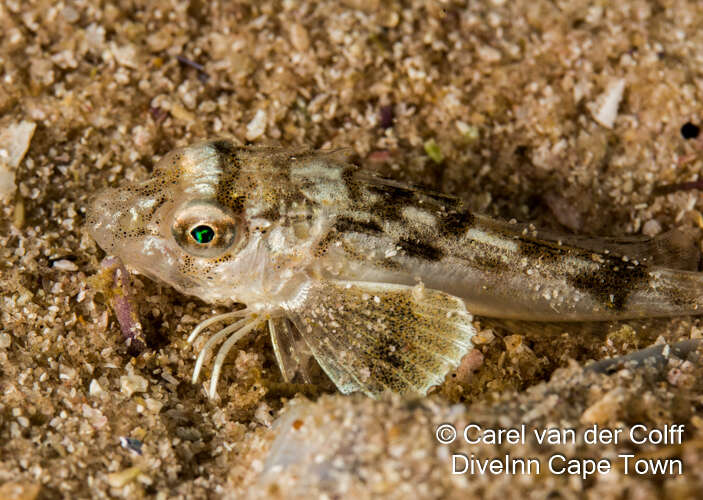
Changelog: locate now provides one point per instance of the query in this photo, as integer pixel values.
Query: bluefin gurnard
(378, 281)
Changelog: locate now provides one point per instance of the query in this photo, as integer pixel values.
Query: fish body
(376, 280)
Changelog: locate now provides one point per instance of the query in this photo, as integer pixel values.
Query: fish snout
(120, 214)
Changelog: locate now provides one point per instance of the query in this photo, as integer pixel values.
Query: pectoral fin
(373, 337)
(291, 350)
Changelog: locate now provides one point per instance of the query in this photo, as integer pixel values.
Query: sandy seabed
(568, 114)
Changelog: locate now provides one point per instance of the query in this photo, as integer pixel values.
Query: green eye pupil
(202, 234)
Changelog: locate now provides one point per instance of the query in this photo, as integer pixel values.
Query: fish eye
(202, 234)
(203, 229)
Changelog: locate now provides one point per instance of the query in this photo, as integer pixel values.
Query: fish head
(217, 221)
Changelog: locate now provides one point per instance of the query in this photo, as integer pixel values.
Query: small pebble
(471, 362)
(123, 477)
(64, 265)
(263, 415)
(154, 405)
(299, 37)
(257, 126)
(5, 340)
(513, 342)
(70, 14)
(95, 388)
(131, 444)
(433, 151)
(19, 491)
(605, 409)
(605, 108)
(14, 143)
(489, 54)
(129, 384)
(126, 55)
(651, 228)
(483, 337)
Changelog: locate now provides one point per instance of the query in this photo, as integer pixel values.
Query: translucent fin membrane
(376, 337)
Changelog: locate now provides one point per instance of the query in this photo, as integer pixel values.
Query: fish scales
(376, 280)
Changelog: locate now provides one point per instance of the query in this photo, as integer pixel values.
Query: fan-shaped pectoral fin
(373, 337)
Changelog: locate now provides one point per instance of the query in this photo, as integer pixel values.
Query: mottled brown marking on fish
(323, 245)
(489, 261)
(612, 283)
(392, 201)
(151, 211)
(226, 190)
(352, 184)
(224, 148)
(420, 249)
(455, 223)
(543, 251)
(347, 224)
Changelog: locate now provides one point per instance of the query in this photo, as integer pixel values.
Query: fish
(375, 280)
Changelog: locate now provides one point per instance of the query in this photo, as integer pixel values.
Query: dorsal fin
(675, 249)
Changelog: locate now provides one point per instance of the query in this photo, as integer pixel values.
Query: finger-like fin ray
(233, 333)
